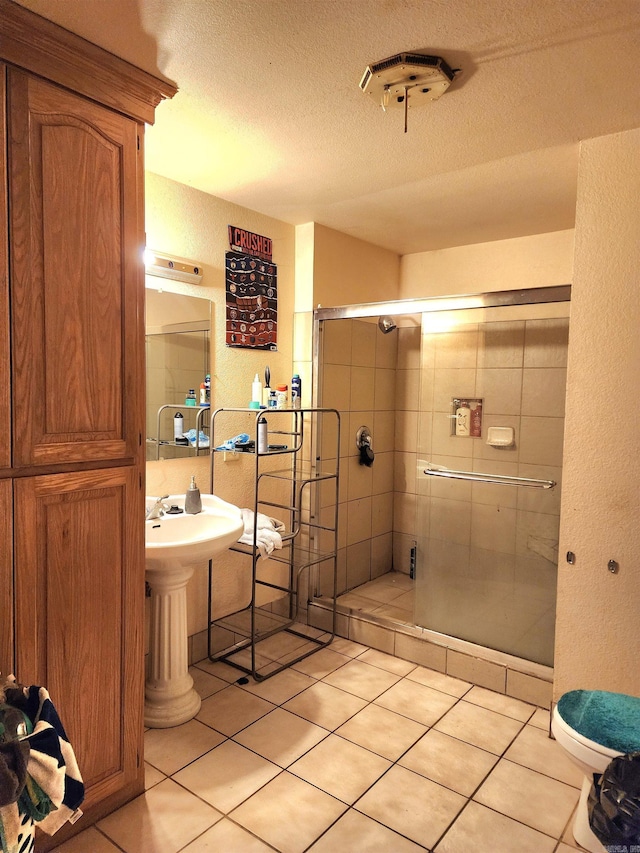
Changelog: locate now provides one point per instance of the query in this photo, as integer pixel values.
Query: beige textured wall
(348, 271)
(540, 260)
(187, 223)
(597, 641)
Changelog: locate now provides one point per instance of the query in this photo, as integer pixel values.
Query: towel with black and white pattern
(52, 762)
(53, 788)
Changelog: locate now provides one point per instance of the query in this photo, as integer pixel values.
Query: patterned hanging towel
(52, 763)
(51, 791)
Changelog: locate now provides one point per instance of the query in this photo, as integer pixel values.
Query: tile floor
(350, 750)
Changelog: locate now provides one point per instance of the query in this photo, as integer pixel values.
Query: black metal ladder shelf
(286, 480)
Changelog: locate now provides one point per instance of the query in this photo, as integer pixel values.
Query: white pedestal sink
(173, 544)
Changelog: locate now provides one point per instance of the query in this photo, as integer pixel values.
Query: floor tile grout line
(540, 773)
(286, 769)
(109, 839)
(569, 828)
(353, 805)
(516, 820)
(416, 666)
(502, 757)
(372, 701)
(393, 763)
(375, 820)
(453, 822)
(332, 731)
(235, 823)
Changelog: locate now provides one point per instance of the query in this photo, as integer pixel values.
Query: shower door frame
(426, 305)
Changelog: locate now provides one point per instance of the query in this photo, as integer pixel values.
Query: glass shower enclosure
(467, 414)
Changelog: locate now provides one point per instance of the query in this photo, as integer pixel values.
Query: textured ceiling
(269, 113)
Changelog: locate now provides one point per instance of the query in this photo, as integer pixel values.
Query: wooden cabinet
(74, 276)
(72, 391)
(5, 362)
(6, 578)
(79, 614)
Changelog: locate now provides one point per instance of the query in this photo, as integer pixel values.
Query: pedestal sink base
(163, 712)
(170, 699)
(173, 545)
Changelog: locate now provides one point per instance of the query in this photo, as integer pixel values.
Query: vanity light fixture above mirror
(166, 266)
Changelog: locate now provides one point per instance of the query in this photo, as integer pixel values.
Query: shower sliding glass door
(490, 434)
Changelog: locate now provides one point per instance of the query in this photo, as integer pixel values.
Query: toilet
(594, 727)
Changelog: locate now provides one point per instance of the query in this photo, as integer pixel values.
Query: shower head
(386, 325)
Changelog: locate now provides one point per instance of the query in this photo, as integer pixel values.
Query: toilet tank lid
(610, 719)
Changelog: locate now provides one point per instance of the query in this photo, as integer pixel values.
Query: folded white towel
(267, 532)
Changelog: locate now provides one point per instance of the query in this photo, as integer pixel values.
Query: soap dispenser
(192, 500)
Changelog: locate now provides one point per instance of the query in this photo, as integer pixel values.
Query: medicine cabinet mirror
(177, 342)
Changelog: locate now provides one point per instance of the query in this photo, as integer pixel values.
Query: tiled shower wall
(359, 379)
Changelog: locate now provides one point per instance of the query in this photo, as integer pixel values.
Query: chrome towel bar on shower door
(498, 479)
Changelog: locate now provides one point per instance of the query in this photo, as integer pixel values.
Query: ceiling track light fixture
(176, 269)
(407, 80)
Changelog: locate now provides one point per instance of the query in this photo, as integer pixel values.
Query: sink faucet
(157, 509)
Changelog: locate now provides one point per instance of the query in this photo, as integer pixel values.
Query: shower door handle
(497, 479)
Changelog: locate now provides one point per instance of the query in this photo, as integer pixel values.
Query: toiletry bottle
(190, 399)
(463, 418)
(207, 387)
(192, 499)
(178, 426)
(476, 420)
(281, 396)
(266, 388)
(296, 392)
(272, 402)
(203, 394)
(256, 389)
(263, 437)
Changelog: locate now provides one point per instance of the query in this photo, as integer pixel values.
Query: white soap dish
(500, 436)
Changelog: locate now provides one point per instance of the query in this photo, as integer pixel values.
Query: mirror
(177, 341)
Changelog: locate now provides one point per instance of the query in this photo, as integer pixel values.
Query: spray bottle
(256, 390)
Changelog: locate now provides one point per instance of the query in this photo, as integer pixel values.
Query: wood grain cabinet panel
(74, 276)
(5, 359)
(7, 664)
(79, 614)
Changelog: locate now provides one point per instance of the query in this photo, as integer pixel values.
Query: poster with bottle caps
(251, 283)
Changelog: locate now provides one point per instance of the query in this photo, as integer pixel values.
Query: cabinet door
(5, 396)
(7, 664)
(76, 285)
(79, 574)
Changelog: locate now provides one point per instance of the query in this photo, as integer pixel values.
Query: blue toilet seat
(610, 719)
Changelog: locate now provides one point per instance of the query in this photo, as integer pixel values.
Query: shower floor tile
(354, 750)
(390, 596)
(526, 622)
